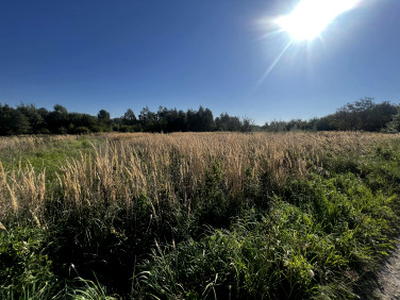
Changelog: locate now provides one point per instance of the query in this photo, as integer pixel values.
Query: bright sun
(311, 17)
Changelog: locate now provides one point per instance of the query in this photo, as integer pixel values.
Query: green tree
(393, 126)
(129, 118)
(363, 114)
(247, 125)
(104, 120)
(36, 121)
(227, 123)
(147, 120)
(57, 120)
(13, 121)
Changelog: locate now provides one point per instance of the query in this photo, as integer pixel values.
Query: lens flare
(311, 17)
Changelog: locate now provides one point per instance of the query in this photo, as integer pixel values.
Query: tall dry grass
(22, 194)
(173, 168)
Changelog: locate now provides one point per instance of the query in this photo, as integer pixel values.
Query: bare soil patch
(389, 278)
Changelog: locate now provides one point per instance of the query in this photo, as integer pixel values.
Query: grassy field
(196, 215)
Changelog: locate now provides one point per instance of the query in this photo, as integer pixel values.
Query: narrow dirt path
(389, 278)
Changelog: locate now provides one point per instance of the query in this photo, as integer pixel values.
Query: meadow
(295, 215)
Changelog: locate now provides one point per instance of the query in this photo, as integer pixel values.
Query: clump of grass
(22, 196)
(89, 290)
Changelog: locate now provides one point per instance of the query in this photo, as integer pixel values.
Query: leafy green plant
(25, 267)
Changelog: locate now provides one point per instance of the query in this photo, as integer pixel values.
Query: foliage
(227, 123)
(25, 267)
(394, 125)
(364, 114)
(295, 251)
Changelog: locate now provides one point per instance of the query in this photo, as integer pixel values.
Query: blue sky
(114, 55)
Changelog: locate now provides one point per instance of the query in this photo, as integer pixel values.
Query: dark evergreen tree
(36, 121)
(13, 121)
(57, 120)
(147, 120)
(129, 118)
(104, 120)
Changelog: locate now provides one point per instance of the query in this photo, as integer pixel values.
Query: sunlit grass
(44, 153)
(198, 215)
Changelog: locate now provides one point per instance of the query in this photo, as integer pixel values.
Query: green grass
(315, 242)
(50, 155)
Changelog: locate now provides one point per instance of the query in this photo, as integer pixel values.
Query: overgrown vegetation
(196, 215)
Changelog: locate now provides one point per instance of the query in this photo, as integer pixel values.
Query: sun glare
(311, 17)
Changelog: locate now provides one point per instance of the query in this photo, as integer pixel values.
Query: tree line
(363, 115)
(27, 119)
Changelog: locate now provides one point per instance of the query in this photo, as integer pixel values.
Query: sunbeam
(273, 64)
(305, 23)
(310, 17)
